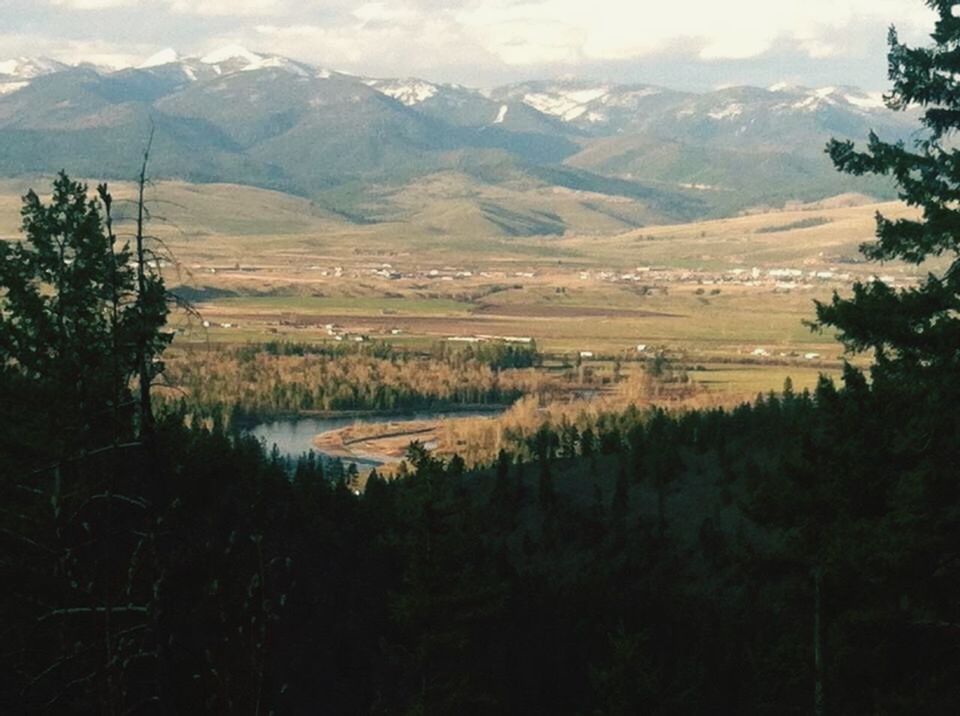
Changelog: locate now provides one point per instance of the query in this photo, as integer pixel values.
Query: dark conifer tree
(916, 329)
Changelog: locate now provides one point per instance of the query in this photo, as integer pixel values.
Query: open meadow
(726, 298)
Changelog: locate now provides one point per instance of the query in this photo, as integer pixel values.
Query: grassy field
(260, 265)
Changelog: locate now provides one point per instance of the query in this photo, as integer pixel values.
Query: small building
(586, 354)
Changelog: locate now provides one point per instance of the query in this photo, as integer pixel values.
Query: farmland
(727, 298)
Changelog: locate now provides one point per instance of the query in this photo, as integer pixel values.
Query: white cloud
(545, 30)
(475, 38)
(377, 48)
(385, 12)
(97, 52)
(93, 4)
(227, 8)
(212, 8)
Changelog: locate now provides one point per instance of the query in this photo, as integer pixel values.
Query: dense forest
(673, 564)
(794, 555)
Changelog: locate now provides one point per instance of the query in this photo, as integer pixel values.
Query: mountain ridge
(237, 116)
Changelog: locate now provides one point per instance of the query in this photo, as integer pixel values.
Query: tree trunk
(818, 708)
(146, 410)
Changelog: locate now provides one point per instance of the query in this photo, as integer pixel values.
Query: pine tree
(915, 331)
(75, 322)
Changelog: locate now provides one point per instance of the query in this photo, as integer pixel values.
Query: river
(294, 436)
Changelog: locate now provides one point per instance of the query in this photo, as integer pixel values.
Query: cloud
(97, 52)
(543, 30)
(93, 4)
(463, 40)
(370, 46)
(211, 8)
(226, 8)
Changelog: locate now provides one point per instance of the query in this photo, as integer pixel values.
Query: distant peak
(409, 91)
(164, 57)
(230, 52)
(30, 67)
(783, 87)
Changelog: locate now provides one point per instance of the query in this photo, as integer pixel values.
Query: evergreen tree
(916, 330)
(621, 495)
(70, 316)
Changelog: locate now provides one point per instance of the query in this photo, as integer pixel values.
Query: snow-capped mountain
(410, 92)
(583, 102)
(163, 57)
(602, 108)
(26, 68)
(237, 115)
(17, 73)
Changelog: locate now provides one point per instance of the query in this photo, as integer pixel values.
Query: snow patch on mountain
(28, 68)
(408, 92)
(809, 100)
(164, 57)
(231, 52)
(628, 99)
(501, 114)
(279, 63)
(11, 87)
(730, 111)
(558, 105)
(563, 103)
(866, 100)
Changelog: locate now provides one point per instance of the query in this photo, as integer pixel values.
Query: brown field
(259, 265)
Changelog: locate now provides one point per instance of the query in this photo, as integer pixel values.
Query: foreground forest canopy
(795, 554)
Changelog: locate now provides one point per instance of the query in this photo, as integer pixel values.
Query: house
(762, 352)
(641, 347)
(586, 354)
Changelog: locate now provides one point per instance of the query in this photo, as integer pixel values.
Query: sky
(684, 44)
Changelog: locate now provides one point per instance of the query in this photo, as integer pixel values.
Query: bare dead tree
(145, 378)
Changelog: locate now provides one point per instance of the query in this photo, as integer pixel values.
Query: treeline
(285, 378)
(498, 355)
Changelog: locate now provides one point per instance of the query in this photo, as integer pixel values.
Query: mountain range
(631, 154)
